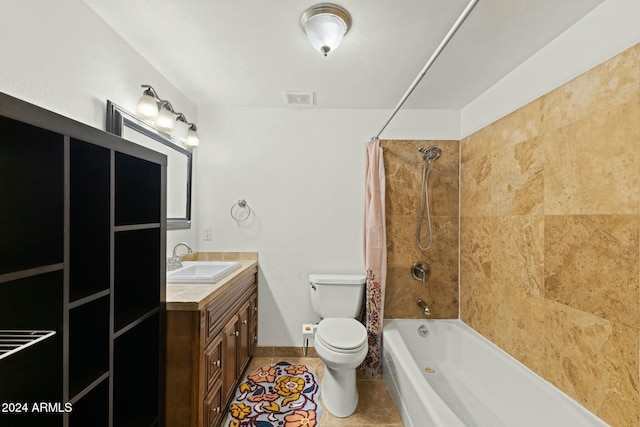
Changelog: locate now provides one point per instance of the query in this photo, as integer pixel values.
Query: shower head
(430, 154)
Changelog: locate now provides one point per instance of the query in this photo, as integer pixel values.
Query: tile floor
(375, 407)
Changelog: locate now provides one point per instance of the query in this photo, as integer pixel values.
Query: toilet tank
(337, 295)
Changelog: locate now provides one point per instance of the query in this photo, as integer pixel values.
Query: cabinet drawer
(216, 313)
(213, 362)
(213, 406)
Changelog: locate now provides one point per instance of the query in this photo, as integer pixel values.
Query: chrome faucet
(423, 305)
(174, 262)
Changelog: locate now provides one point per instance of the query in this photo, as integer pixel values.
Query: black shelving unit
(88, 344)
(90, 226)
(136, 276)
(82, 261)
(136, 382)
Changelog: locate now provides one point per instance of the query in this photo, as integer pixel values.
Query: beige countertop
(194, 296)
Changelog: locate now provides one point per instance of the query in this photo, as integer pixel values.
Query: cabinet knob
(255, 338)
(218, 363)
(217, 410)
(255, 308)
(244, 322)
(236, 333)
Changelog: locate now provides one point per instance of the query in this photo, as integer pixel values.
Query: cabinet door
(244, 340)
(229, 360)
(253, 322)
(213, 406)
(253, 308)
(213, 362)
(253, 336)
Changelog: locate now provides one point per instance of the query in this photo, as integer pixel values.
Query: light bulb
(165, 120)
(180, 130)
(193, 140)
(147, 108)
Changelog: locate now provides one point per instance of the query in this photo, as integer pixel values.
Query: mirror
(179, 161)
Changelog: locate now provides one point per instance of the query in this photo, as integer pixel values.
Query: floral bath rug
(280, 395)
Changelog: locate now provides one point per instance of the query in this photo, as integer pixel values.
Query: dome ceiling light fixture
(325, 25)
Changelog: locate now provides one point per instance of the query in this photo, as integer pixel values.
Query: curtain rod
(431, 60)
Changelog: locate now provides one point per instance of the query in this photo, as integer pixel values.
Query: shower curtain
(375, 255)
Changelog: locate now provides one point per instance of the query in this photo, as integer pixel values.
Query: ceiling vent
(299, 99)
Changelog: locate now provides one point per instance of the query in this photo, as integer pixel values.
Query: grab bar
(423, 305)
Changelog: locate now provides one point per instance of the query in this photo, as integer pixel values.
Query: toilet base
(339, 392)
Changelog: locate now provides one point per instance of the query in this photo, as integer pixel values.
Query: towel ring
(241, 204)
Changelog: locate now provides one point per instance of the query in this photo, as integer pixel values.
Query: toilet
(340, 340)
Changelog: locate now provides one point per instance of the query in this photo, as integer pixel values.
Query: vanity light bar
(160, 114)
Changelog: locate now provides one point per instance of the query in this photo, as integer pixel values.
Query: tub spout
(423, 305)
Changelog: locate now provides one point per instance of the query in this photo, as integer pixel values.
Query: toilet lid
(345, 334)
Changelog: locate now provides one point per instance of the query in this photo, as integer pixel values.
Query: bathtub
(454, 377)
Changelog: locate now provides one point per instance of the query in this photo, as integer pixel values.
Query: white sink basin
(202, 271)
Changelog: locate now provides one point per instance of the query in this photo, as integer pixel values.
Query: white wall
(302, 173)
(61, 56)
(606, 31)
(300, 170)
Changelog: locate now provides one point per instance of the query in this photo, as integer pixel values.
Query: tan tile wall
(550, 250)
(403, 168)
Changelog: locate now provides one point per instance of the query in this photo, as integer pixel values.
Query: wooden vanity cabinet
(207, 352)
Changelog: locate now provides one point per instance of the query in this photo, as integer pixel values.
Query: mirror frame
(119, 118)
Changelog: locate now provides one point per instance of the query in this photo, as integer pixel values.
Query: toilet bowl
(339, 339)
(341, 344)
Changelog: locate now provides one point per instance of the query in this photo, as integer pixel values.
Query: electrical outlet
(207, 233)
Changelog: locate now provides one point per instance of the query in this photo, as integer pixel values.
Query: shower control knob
(421, 271)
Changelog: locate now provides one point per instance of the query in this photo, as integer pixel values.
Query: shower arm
(431, 60)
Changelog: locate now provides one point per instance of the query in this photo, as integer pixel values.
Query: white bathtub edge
(534, 377)
(420, 393)
(440, 413)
